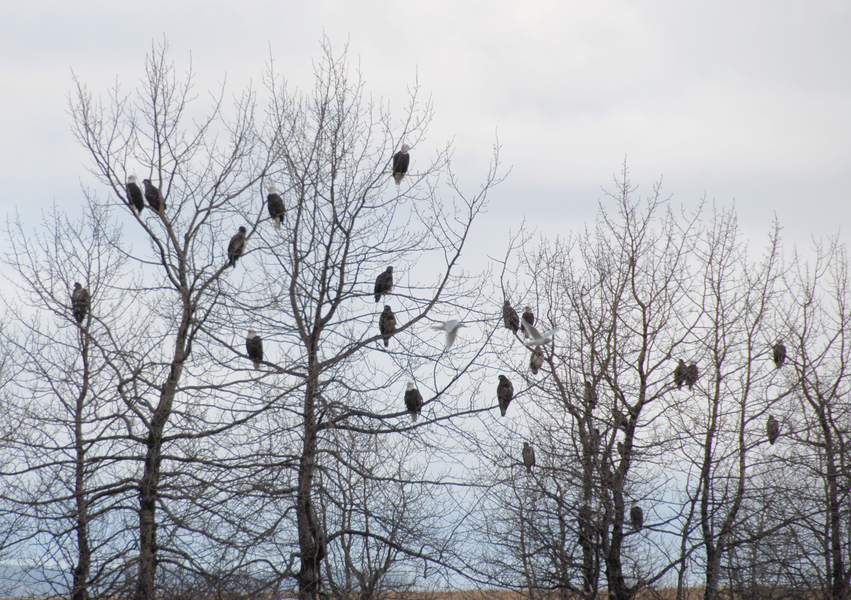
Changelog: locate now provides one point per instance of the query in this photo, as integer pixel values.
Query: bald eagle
(387, 324)
(401, 160)
(528, 456)
(276, 206)
(509, 317)
(779, 354)
(134, 195)
(236, 247)
(413, 401)
(691, 375)
(636, 516)
(383, 283)
(772, 428)
(590, 395)
(153, 196)
(504, 393)
(79, 302)
(680, 374)
(451, 328)
(529, 317)
(537, 360)
(254, 347)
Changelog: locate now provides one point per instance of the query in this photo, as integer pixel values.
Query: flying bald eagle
(413, 401)
(387, 324)
(636, 516)
(451, 328)
(528, 456)
(590, 395)
(383, 283)
(134, 195)
(691, 375)
(509, 317)
(236, 247)
(401, 160)
(680, 374)
(772, 428)
(153, 196)
(79, 302)
(276, 206)
(504, 393)
(779, 354)
(537, 360)
(254, 347)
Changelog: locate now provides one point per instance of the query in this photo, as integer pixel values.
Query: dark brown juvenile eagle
(528, 456)
(254, 348)
(509, 317)
(691, 375)
(772, 428)
(153, 196)
(276, 206)
(680, 374)
(134, 195)
(383, 283)
(236, 247)
(413, 401)
(401, 160)
(387, 324)
(79, 302)
(504, 393)
(636, 516)
(590, 395)
(779, 354)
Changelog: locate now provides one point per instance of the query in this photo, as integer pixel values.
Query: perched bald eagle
(590, 395)
(413, 401)
(537, 360)
(529, 317)
(636, 516)
(134, 195)
(236, 247)
(153, 196)
(528, 456)
(79, 302)
(691, 375)
(401, 160)
(254, 347)
(387, 324)
(772, 428)
(680, 374)
(276, 206)
(383, 283)
(779, 354)
(509, 317)
(504, 393)
(451, 328)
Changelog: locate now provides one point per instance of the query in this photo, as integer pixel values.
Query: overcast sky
(745, 103)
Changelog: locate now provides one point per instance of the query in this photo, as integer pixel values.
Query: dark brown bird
(529, 317)
(779, 354)
(680, 374)
(254, 348)
(528, 456)
(401, 160)
(590, 395)
(134, 195)
(504, 393)
(691, 375)
(236, 247)
(509, 317)
(772, 428)
(383, 283)
(79, 302)
(636, 516)
(413, 401)
(537, 360)
(276, 206)
(153, 196)
(387, 325)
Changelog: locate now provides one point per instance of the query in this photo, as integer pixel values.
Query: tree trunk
(79, 589)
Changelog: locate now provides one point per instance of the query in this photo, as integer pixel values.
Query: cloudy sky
(746, 103)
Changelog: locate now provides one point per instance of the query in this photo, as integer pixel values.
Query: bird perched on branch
(539, 339)
(537, 360)
(383, 283)
(509, 317)
(680, 374)
(236, 247)
(772, 429)
(276, 206)
(254, 348)
(413, 401)
(401, 160)
(528, 456)
(779, 354)
(79, 302)
(387, 324)
(153, 196)
(134, 195)
(590, 395)
(451, 328)
(636, 516)
(691, 375)
(504, 393)
(529, 317)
